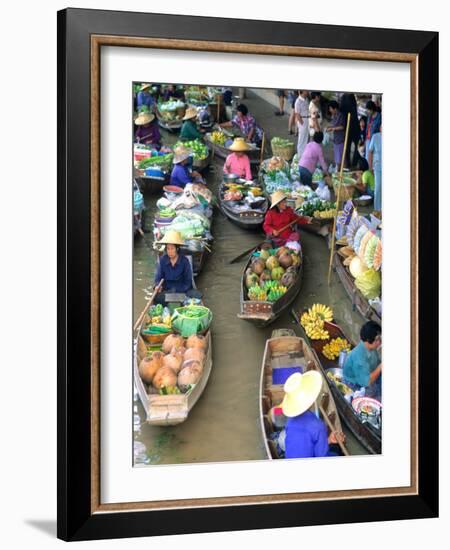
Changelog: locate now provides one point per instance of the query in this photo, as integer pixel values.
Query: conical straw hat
(172, 237)
(144, 118)
(239, 144)
(301, 392)
(277, 197)
(181, 153)
(191, 112)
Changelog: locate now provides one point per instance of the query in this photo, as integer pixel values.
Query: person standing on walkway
(348, 105)
(337, 126)
(301, 117)
(292, 125)
(375, 166)
(281, 94)
(314, 113)
(373, 123)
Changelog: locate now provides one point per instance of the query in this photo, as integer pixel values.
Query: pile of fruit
(199, 149)
(271, 272)
(280, 142)
(218, 137)
(159, 321)
(325, 214)
(315, 207)
(334, 348)
(313, 321)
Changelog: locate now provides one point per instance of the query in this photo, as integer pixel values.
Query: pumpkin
(174, 359)
(150, 365)
(188, 376)
(197, 341)
(164, 378)
(172, 341)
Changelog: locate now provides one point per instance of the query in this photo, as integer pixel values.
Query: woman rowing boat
(280, 219)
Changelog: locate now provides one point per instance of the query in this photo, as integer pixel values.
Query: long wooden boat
(285, 351)
(247, 219)
(222, 152)
(168, 410)
(262, 313)
(358, 300)
(366, 434)
(169, 125)
(150, 184)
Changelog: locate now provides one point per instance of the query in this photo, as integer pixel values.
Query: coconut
(272, 263)
(251, 280)
(282, 250)
(277, 273)
(150, 365)
(174, 359)
(197, 341)
(194, 353)
(188, 376)
(164, 378)
(285, 260)
(288, 278)
(192, 362)
(258, 266)
(172, 341)
(264, 254)
(265, 276)
(142, 348)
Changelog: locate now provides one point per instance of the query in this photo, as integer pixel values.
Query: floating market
(257, 274)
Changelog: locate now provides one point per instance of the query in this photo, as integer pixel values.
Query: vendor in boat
(278, 217)
(306, 435)
(144, 98)
(147, 131)
(189, 130)
(365, 181)
(174, 268)
(181, 175)
(238, 162)
(363, 367)
(246, 124)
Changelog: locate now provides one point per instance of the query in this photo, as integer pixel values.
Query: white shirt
(301, 106)
(314, 114)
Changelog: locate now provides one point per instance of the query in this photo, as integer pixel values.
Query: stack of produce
(317, 208)
(337, 380)
(271, 273)
(283, 148)
(178, 367)
(219, 137)
(313, 321)
(199, 149)
(333, 348)
(159, 321)
(191, 319)
(170, 110)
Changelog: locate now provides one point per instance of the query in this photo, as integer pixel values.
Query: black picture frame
(76, 518)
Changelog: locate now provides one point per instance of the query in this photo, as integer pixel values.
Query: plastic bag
(369, 283)
(323, 191)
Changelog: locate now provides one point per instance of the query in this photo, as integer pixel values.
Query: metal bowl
(230, 178)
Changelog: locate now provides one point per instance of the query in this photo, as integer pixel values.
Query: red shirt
(276, 220)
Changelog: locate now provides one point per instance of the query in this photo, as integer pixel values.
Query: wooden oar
(148, 304)
(333, 429)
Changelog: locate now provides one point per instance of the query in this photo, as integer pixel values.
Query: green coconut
(251, 279)
(277, 273)
(264, 254)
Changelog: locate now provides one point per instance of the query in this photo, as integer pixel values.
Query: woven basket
(285, 153)
(347, 191)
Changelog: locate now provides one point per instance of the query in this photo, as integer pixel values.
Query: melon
(357, 267)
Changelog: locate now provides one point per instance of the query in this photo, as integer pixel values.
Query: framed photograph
(238, 262)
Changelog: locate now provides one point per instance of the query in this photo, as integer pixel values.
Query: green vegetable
(160, 160)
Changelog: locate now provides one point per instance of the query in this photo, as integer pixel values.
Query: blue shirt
(180, 175)
(178, 277)
(359, 364)
(143, 98)
(375, 147)
(306, 436)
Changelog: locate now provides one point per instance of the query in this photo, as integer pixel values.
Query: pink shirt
(311, 156)
(238, 165)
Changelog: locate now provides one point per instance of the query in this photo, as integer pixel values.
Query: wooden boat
(168, 410)
(262, 313)
(247, 219)
(150, 184)
(285, 350)
(169, 125)
(358, 300)
(366, 434)
(222, 152)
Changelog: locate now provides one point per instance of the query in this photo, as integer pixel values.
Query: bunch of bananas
(276, 292)
(218, 137)
(325, 214)
(334, 348)
(313, 321)
(169, 390)
(257, 293)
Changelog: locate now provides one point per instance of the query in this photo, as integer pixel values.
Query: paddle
(234, 260)
(333, 429)
(147, 306)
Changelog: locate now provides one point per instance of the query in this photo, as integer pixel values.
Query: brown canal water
(224, 424)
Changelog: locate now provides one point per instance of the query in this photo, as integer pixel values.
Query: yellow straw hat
(301, 392)
(239, 144)
(145, 87)
(191, 112)
(277, 197)
(172, 237)
(181, 153)
(144, 118)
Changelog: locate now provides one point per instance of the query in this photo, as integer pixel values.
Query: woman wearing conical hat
(306, 435)
(144, 97)
(147, 131)
(173, 267)
(238, 162)
(189, 130)
(181, 175)
(278, 217)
